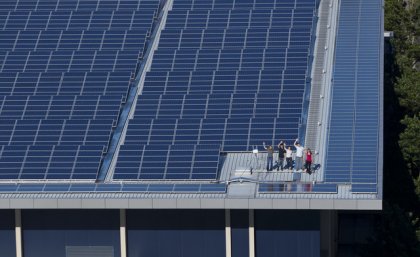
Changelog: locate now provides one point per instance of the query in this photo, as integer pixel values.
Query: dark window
(7, 233)
(176, 233)
(287, 233)
(239, 221)
(64, 233)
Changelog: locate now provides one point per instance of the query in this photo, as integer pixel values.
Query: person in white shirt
(299, 155)
(289, 153)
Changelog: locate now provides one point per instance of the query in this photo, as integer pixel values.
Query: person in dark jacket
(282, 152)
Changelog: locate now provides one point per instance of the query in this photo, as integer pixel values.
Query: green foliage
(408, 88)
(410, 144)
(414, 51)
(417, 185)
(397, 20)
(395, 235)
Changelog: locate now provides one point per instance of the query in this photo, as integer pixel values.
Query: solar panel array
(355, 111)
(65, 69)
(113, 188)
(227, 75)
(297, 188)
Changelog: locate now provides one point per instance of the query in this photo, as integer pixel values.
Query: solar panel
(276, 188)
(230, 74)
(65, 73)
(364, 188)
(113, 188)
(355, 112)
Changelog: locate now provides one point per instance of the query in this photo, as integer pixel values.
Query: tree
(408, 88)
(410, 144)
(395, 235)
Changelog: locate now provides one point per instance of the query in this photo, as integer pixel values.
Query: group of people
(286, 153)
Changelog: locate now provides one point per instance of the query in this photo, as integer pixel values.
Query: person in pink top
(308, 161)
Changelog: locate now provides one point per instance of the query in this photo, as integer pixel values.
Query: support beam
(18, 232)
(228, 234)
(328, 224)
(251, 234)
(123, 233)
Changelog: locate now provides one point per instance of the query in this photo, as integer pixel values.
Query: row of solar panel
(223, 87)
(65, 84)
(233, 19)
(81, 20)
(60, 107)
(50, 162)
(234, 134)
(55, 132)
(72, 40)
(168, 162)
(219, 105)
(268, 188)
(232, 97)
(208, 82)
(63, 61)
(126, 188)
(262, 33)
(227, 74)
(233, 59)
(230, 42)
(231, 4)
(213, 111)
(243, 22)
(239, 32)
(53, 5)
(246, 36)
(355, 97)
(300, 11)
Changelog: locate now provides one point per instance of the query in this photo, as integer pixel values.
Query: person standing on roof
(299, 155)
(289, 160)
(282, 151)
(308, 161)
(270, 151)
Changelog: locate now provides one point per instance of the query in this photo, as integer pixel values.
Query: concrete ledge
(4, 204)
(69, 203)
(93, 203)
(140, 204)
(116, 203)
(164, 203)
(260, 204)
(321, 204)
(303, 203)
(290, 204)
(45, 203)
(345, 204)
(212, 203)
(236, 204)
(369, 204)
(21, 203)
(192, 203)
